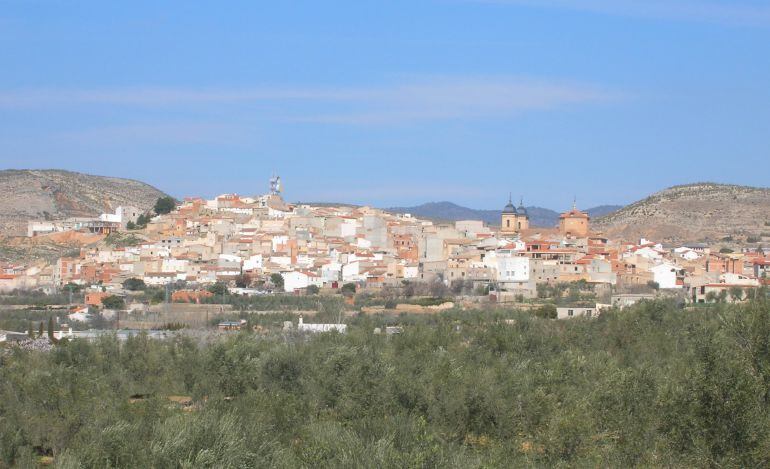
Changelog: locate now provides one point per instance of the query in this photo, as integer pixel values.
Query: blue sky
(392, 102)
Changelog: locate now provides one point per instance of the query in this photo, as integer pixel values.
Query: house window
(570, 312)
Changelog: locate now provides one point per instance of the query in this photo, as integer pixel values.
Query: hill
(601, 210)
(449, 211)
(58, 194)
(693, 212)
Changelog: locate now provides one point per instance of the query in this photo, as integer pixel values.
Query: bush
(113, 302)
(218, 289)
(243, 281)
(547, 311)
(164, 205)
(134, 284)
(348, 289)
(142, 220)
(651, 386)
(121, 240)
(277, 281)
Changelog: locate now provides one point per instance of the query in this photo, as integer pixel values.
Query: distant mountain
(448, 211)
(56, 194)
(693, 212)
(603, 210)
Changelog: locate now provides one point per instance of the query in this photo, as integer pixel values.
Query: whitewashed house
(293, 281)
(665, 275)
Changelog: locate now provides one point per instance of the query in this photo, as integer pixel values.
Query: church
(513, 220)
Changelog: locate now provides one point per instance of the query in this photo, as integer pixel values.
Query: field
(653, 385)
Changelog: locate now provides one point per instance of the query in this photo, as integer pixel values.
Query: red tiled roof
(574, 213)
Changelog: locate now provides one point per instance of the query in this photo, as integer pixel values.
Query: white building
(253, 263)
(351, 272)
(174, 265)
(159, 278)
(411, 271)
(737, 279)
(570, 312)
(302, 327)
(512, 268)
(122, 215)
(293, 281)
(686, 253)
(624, 300)
(331, 271)
(665, 275)
(36, 228)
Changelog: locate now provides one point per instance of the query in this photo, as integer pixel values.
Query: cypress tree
(51, 337)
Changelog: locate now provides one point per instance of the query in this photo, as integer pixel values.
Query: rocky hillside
(693, 212)
(56, 194)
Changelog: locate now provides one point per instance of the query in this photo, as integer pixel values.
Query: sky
(392, 103)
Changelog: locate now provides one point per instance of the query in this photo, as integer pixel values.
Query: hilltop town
(263, 245)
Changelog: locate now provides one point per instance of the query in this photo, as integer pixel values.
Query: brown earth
(56, 195)
(47, 247)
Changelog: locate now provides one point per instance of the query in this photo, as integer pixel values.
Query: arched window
(507, 223)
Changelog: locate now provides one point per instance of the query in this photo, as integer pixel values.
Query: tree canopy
(164, 205)
(113, 302)
(277, 281)
(134, 284)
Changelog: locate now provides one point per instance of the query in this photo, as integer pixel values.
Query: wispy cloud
(160, 132)
(733, 12)
(435, 98)
(444, 99)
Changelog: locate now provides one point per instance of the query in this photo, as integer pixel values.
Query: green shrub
(649, 386)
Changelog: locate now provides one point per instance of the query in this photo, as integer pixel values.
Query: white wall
(331, 271)
(570, 312)
(348, 228)
(351, 272)
(512, 268)
(294, 281)
(253, 262)
(665, 275)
